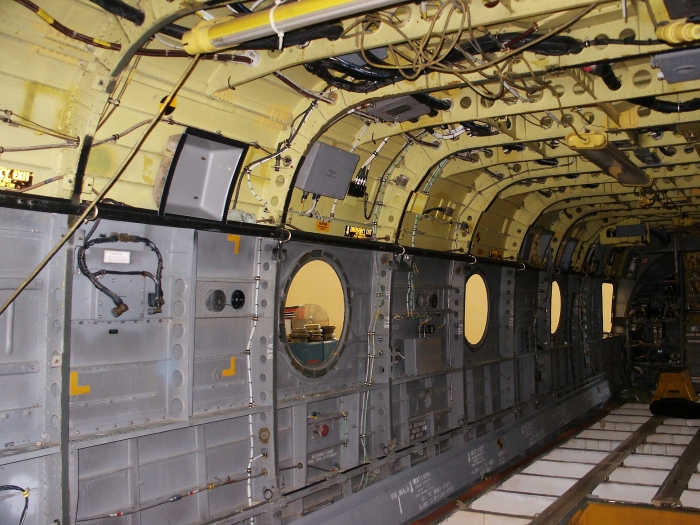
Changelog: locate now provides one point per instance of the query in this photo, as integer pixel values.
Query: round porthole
(476, 309)
(555, 307)
(314, 315)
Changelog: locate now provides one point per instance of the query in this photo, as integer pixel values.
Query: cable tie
(25, 492)
(280, 34)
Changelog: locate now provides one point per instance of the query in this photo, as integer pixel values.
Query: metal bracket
(583, 79)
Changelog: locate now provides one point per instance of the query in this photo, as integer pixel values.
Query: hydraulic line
(93, 205)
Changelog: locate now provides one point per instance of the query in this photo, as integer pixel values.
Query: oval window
(314, 313)
(555, 307)
(476, 309)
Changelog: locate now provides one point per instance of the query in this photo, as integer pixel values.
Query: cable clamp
(25, 492)
(94, 215)
(280, 34)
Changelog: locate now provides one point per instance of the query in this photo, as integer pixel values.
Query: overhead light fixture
(596, 148)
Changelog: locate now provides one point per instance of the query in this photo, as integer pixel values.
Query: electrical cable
(40, 184)
(664, 106)
(249, 346)
(437, 52)
(110, 184)
(113, 46)
(382, 180)
(281, 148)
(40, 147)
(25, 493)
(34, 126)
(117, 136)
(156, 306)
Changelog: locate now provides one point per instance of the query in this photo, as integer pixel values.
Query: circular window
(555, 307)
(314, 314)
(476, 309)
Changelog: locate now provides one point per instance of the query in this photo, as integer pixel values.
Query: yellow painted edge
(229, 371)
(75, 388)
(236, 239)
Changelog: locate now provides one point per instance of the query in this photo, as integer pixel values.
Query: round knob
(215, 301)
(322, 430)
(237, 299)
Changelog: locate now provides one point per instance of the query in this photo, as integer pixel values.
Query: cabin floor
(628, 467)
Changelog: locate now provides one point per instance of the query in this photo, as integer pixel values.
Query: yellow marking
(323, 226)
(101, 42)
(75, 388)
(47, 17)
(229, 371)
(237, 240)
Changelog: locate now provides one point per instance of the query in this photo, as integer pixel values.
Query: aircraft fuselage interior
(349, 261)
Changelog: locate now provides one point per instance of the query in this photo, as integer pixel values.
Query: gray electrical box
(423, 355)
(631, 230)
(399, 109)
(682, 8)
(679, 66)
(327, 171)
(201, 176)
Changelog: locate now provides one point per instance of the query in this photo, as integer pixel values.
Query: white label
(117, 257)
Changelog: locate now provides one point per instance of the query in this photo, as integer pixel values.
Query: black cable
(122, 10)
(663, 106)
(121, 307)
(25, 493)
(606, 73)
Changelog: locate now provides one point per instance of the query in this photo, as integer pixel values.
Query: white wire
(249, 346)
(359, 137)
(250, 186)
(375, 153)
(453, 134)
